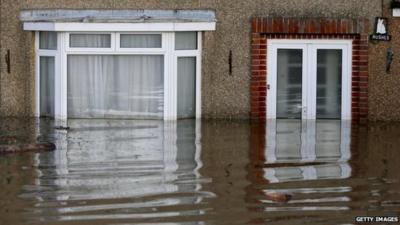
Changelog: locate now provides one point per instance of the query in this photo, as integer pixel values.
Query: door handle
(268, 87)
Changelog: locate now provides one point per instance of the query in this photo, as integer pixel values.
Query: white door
(309, 79)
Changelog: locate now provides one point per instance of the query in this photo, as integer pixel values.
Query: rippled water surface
(199, 173)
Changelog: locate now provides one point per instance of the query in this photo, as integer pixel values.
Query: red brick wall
(311, 28)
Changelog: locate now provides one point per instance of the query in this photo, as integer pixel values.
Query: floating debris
(297, 164)
(61, 128)
(8, 139)
(37, 147)
(278, 197)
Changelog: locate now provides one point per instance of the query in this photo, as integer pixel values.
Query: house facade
(212, 59)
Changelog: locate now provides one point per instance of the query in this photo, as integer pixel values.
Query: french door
(309, 79)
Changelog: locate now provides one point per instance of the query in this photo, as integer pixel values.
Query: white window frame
(197, 54)
(170, 67)
(309, 84)
(45, 53)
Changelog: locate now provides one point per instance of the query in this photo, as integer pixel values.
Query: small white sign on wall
(396, 12)
(381, 32)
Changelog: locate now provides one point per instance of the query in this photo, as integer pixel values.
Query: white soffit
(118, 20)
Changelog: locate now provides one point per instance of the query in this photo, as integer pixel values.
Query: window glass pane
(47, 70)
(115, 86)
(185, 40)
(186, 87)
(329, 84)
(140, 40)
(90, 40)
(48, 40)
(289, 93)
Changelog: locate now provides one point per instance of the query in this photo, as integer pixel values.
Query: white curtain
(140, 40)
(185, 40)
(90, 40)
(101, 86)
(48, 40)
(47, 86)
(186, 87)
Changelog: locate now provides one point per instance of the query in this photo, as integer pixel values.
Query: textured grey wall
(224, 95)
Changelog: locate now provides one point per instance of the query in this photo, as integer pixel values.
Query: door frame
(309, 89)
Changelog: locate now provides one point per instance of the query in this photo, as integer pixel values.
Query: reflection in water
(192, 173)
(296, 141)
(305, 160)
(138, 165)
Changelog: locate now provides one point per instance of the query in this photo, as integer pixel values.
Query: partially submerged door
(309, 79)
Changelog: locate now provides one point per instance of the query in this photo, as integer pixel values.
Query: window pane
(289, 93)
(48, 40)
(47, 70)
(186, 87)
(90, 41)
(185, 40)
(140, 40)
(115, 86)
(329, 84)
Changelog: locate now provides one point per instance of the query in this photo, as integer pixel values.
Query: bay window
(130, 64)
(129, 75)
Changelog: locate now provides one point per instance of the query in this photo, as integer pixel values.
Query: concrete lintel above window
(118, 20)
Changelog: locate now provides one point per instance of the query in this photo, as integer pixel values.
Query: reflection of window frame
(164, 134)
(167, 50)
(308, 134)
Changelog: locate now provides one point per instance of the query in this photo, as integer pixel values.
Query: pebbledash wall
(376, 95)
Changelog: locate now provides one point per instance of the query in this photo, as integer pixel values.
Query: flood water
(199, 173)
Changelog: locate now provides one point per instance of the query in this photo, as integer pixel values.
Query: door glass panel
(329, 83)
(289, 80)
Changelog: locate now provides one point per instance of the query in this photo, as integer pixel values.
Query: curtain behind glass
(48, 40)
(90, 40)
(185, 40)
(140, 40)
(186, 87)
(47, 70)
(115, 86)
